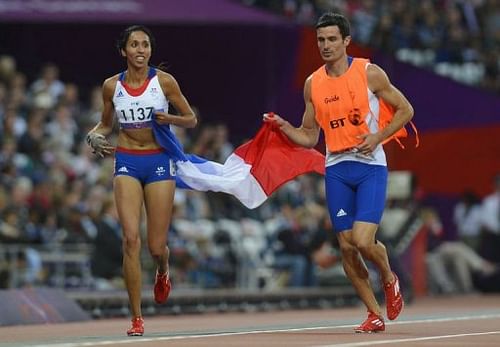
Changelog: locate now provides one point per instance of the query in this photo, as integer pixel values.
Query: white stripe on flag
(232, 177)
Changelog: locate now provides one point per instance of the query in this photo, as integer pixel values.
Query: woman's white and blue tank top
(135, 108)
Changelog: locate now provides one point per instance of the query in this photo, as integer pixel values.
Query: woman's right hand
(99, 144)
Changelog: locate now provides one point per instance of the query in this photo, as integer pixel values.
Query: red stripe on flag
(275, 160)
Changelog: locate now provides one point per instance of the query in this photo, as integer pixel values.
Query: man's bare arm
(380, 85)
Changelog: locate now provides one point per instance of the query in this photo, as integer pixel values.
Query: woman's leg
(159, 198)
(129, 200)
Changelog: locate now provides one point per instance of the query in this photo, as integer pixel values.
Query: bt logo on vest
(354, 118)
(337, 123)
(331, 99)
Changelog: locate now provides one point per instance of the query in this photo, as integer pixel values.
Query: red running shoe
(372, 324)
(393, 298)
(137, 328)
(162, 288)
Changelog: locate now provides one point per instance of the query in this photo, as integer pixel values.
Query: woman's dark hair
(332, 19)
(122, 41)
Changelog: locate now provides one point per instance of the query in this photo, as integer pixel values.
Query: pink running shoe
(372, 324)
(137, 328)
(393, 298)
(162, 288)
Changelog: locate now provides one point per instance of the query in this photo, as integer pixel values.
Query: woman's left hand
(162, 117)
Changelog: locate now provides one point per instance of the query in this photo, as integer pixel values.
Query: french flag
(251, 173)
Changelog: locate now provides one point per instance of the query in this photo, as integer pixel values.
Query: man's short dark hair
(332, 19)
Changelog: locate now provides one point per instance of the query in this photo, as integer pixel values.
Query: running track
(442, 321)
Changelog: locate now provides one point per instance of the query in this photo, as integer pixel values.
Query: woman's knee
(131, 243)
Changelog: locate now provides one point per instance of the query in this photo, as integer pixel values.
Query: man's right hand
(274, 118)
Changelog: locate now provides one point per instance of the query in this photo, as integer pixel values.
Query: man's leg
(355, 269)
(342, 190)
(363, 236)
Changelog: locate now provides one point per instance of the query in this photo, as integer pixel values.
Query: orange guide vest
(341, 105)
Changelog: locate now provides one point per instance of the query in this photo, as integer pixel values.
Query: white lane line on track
(415, 339)
(129, 340)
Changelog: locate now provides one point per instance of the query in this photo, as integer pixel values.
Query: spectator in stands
(467, 219)
(24, 260)
(223, 148)
(3, 98)
(382, 36)
(28, 267)
(92, 113)
(10, 231)
(323, 245)
(62, 128)
(18, 96)
(144, 173)
(490, 224)
(107, 256)
(216, 261)
(79, 228)
(490, 238)
(204, 144)
(430, 31)
(48, 85)
(364, 20)
(292, 248)
(451, 264)
(403, 31)
(182, 250)
(8, 67)
(71, 99)
(20, 193)
(14, 125)
(4, 274)
(491, 70)
(354, 145)
(31, 142)
(22, 267)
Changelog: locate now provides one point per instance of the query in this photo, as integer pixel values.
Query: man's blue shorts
(146, 166)
(355, 192)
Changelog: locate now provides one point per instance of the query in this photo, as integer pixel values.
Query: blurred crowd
(456, 38)
(469, 260)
